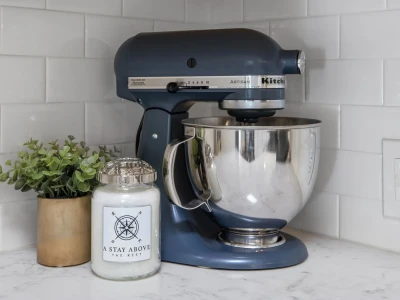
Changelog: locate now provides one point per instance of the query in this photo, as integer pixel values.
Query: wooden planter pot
(64, 229)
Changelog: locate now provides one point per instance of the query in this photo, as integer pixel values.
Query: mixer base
(211, 253)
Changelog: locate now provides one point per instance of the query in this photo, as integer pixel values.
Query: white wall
(57, 78)
(63, 50)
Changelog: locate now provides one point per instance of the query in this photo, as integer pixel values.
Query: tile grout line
(1, 29)
(45, 80)
(338, 217)
(383, 77)
(242, 11)
(184, 12)
(84, 37)
(307, 14)
(1, 127)
(340, 127)
(84, 121)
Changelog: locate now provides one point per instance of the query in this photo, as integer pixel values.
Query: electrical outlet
(391, 178)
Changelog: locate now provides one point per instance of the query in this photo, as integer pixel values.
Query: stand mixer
(236, 181)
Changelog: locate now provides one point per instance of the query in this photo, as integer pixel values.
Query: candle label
(126, 233)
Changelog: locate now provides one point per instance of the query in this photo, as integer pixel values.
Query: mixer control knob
(172, 87)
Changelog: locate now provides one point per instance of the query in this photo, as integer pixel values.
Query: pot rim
(57, 199)
(271, 123)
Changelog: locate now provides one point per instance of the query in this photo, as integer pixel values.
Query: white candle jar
(126, 221)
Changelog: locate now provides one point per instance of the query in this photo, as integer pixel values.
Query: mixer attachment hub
(251, 238)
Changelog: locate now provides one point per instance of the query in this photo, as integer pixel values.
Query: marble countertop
(334, 270)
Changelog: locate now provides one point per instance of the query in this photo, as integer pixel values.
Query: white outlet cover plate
(391, 178)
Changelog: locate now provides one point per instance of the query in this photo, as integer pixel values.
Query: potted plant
(63, 176)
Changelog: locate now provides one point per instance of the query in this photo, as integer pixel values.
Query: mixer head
(242, 69)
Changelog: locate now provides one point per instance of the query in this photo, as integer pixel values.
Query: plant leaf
(51, 153)
(34, 162)
(8, 163)
(79, 176)
(47, 173)
(42, 151)
(71, 137)
(38, 176)
(26, 188)
(22, 154)
(83, 187)
(19, 184)
(3, 177)
(90, 172)
(56, 173)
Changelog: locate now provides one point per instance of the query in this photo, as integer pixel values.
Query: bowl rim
(205, 122)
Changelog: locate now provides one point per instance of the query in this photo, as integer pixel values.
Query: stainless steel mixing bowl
(252, 177)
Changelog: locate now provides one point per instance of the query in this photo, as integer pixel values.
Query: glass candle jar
(126, 221)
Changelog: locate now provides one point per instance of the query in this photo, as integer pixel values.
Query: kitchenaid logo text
(270, 80)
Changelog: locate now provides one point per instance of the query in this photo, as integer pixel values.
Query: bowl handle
(169, 177)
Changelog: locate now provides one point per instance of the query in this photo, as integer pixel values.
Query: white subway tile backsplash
(357, 82)
(128, 150)
(363, 128)
(112, 123)
(350, 173)
(104, 35)
(176, 26)
(259, 26)
(320, 215)
(199, 11)
(318, 37)
(25, 3)
(371, 35)
(201, 109)
(393, 4)
(361, 220)
(255, 10)
(392, 83)
(41, 32)
(22, 79)
(96, 80)
(295, 91)
(17, 224)
(329, 7)
(328, 114)
(45, 122)
(216, 112)
(103, 7)
(214, 11)
(7, 192)
(171, 10)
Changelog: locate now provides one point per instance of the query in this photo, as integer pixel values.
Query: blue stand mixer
(229, 184)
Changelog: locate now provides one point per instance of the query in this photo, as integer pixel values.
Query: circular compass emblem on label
(126, 227)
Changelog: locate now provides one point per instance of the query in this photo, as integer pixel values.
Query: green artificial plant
(57, 171)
